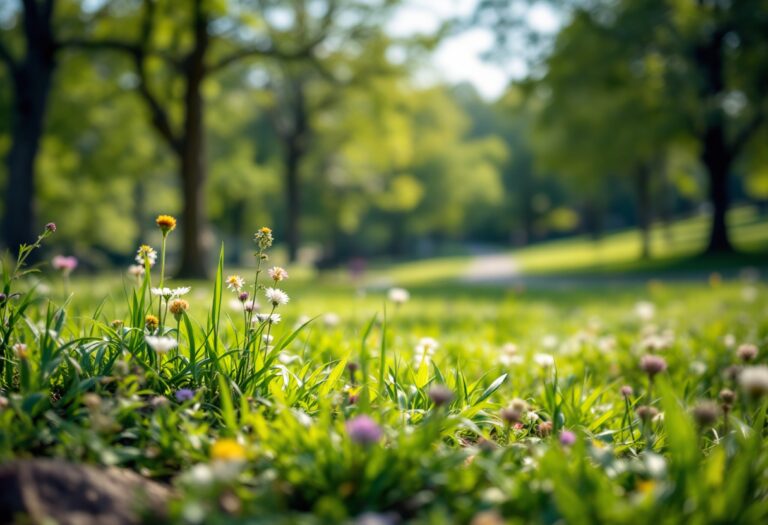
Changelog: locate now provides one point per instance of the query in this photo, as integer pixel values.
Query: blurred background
(486, 138)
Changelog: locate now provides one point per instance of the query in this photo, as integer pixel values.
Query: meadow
(267, 396)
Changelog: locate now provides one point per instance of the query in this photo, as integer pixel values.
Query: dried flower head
(727, 396)
(706, 413)
(746, 352)
(652, 364)
(151, 322)
(263, 238)
(166, 223)
(544, 428)
(647, 413)
(276, 273)
(440, 395)
(178, 307)
(754, 380)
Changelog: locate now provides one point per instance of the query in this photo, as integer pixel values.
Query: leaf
(334, 376)
(488, 392)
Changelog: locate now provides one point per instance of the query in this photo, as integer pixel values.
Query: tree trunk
(32, 78)
(644, 214)
(293, 200)
(192, 167)
(717, 163)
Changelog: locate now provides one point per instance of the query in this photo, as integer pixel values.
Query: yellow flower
(177, 306)
(265, 231)
(151, 321)
(166, 223)
(227, 449)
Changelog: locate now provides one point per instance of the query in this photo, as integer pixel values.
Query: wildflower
(398, 295)
(276, 296)
(544, 360)
(626, 391)
(727, 396)
(160, 344)
(363, 430)
(50, 227)
(166, 223)
(754, 380)
(331, 320)
(184, 394)
(117, 324)
(544, 428)
(746, 352)
(180, 290)
(652, 365)
(20, 349)
(178, 307)
(567, 438)
(235, 283)
(135, 270)
(424, 350)
(146, 253)
(440, 395)
(647, 413)
(3, 297)
(162, 292)
(151, 322)
(227, 449)
(64, 264)
(264, 238)
(252, 306)
(705, 414)
(268, 318)
(645, 310)
(276, 273)
(242, 297)
(268, 338)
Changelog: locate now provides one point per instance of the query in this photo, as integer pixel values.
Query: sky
(458, 58)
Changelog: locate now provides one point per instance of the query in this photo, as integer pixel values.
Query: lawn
(462, 404)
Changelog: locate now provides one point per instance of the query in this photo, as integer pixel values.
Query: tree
(31, 77)
(180, 50)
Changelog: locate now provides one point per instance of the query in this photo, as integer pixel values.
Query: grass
(275, 432)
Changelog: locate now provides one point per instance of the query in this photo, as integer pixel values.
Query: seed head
(727, 396)
(178, 307)
(746, 352)
(652, 364)
(151, 322)
(706, 413)
(754, 380)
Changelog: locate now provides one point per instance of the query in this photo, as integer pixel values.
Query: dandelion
(177, 307)
(277, 274)
(235, 283)
(567, 438)
(746, 352)
(544, 360)
(184, 394)
(166, 223)
(363, 430)
(264, 238)
(440, 395)
(146, 253)
(151, 322)
(754, 380)
(424, 350)
(276, 296)
(161, 344)
(64, 264)
(227, 449)
(398, 295)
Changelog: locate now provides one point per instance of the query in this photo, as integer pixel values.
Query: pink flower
(65, 264)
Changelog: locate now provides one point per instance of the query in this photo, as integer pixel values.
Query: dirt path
(491, 268)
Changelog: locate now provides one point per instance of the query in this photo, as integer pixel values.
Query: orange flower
(166, 223)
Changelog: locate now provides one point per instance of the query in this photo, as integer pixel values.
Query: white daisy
(276, 273)
(268, 318)
(235, 283)
(276, 296)
(160, 344)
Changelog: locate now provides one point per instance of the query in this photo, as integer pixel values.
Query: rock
(54, 491)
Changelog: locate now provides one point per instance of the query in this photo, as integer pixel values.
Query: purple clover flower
(184, 394)
(363, 430)
(567, 438)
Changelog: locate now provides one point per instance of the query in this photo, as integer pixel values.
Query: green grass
(268, 428)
